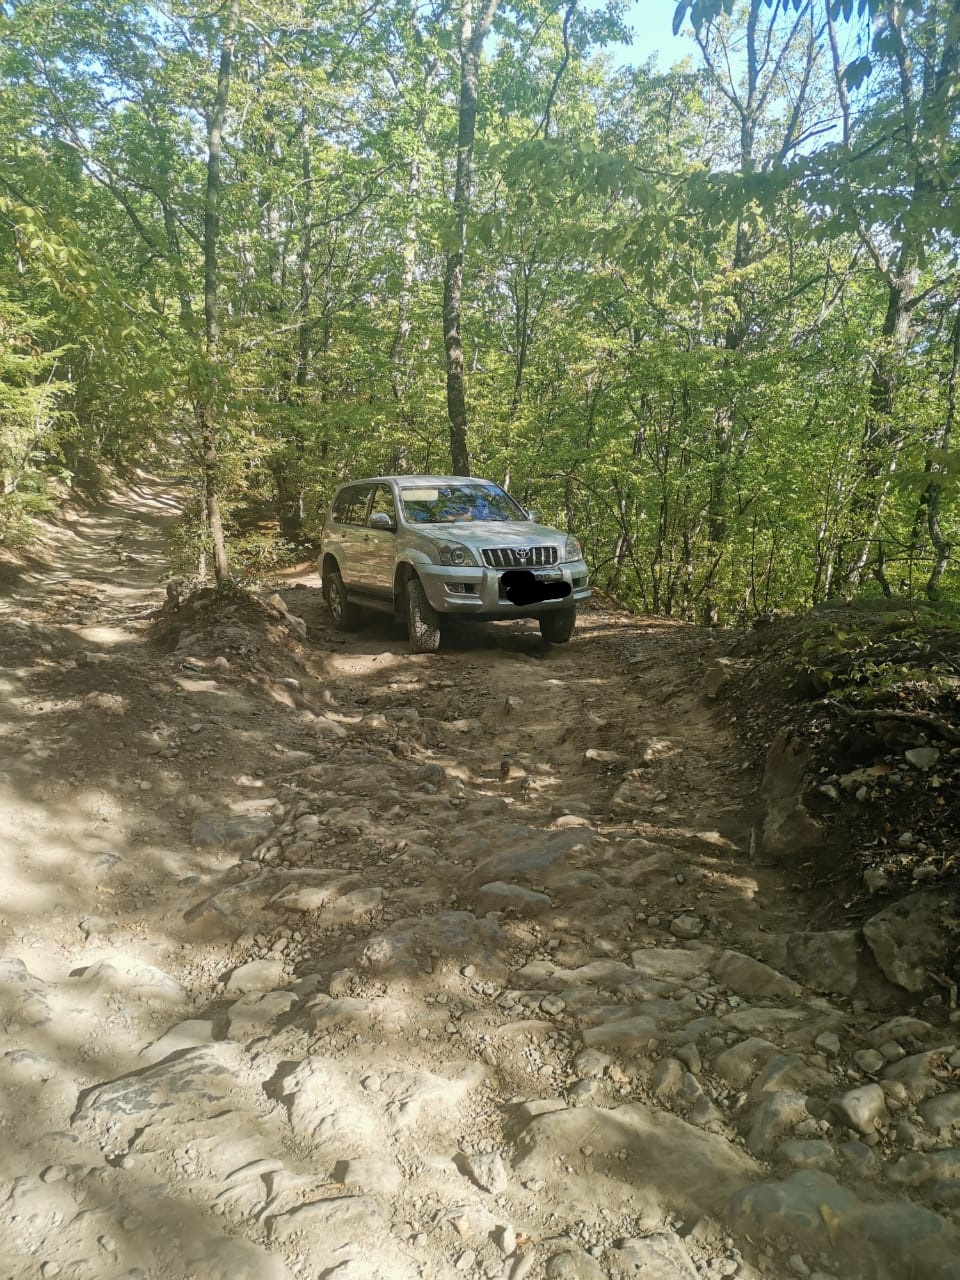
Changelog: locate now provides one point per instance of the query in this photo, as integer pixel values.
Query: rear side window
(350, 504)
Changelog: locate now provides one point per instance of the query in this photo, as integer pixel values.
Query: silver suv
(424, 548)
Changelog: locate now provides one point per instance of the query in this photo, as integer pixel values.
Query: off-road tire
(423, 621)
(343, 613)
(557, 628)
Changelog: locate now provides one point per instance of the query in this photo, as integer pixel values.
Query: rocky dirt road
(321, 959)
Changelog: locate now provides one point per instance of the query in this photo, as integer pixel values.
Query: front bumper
(471, 591)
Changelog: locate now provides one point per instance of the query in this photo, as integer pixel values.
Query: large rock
(748, 977)
(912, 937)
(593, 1158)
(886, 1240)
(825, 961)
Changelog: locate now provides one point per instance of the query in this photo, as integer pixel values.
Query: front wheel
(344, 614)
(423, 621)
(557, 628)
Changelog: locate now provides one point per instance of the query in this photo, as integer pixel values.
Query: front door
(380, 545)
(352, 522)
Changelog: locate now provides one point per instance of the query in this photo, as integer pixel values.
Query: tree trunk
(211, 311)
(471, 44)
(882, 436)
(931, 498)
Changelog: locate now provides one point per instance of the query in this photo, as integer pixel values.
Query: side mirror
(380, 520)
(534, 515)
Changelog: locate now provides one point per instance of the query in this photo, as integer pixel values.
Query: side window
(341, 503)
(383, 501)
(351, 505)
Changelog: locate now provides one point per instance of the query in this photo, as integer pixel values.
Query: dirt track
(321, 958)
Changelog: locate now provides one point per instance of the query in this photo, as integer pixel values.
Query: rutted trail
(321, 958)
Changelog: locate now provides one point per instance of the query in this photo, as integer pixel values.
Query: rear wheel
(344, 614)
(557, 628)
(423, 621)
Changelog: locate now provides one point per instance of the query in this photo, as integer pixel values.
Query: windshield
(442, 504)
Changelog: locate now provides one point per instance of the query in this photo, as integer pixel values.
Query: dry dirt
(319, 958)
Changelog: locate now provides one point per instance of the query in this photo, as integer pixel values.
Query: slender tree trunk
(933, 494)
(882, 435)
(211, 309)
(399, 371)
(472, 37)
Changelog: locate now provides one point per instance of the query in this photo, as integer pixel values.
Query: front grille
(519, 557)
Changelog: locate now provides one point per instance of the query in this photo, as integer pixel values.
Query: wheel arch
(401, 576)
(328, 564)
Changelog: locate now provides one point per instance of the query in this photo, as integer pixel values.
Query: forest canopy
(705, 317)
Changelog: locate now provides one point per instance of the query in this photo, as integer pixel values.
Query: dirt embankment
(320, 958)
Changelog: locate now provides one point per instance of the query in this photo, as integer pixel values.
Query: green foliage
(676, 291)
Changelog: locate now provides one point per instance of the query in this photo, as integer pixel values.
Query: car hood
(493, 533)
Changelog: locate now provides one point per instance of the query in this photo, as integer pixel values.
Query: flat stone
(902, 1027)
(859, 1157)
(351, 907)
(686, 926)
(922, 1167)
(335, 1221)
(573, 1264)
(532, 861)
(919, 1073)
(122, 974)
(886, 1240)
(942, 1111)
(200, 1080)
(800, 1205)
(369, 1175)
(666, 1160)
(678, 964)
(739, 1064)
(185, 1035)
(317, 895)
(750, 978)
(910, 938)
(513, 898)
(753, 1018)
(807, 1153)
(790, 1071)
(625, 1034)
(241, 835)
(253, 1014)
(376, 1016)
(657, 1257)
(255, 975)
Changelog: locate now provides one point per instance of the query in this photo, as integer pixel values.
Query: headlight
(455, 553)
(572, 550)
